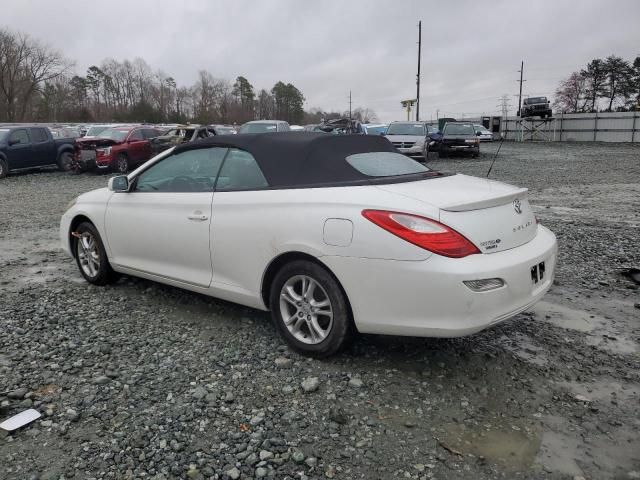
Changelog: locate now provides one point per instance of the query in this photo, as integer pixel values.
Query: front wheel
(310, 309)
(4, 168)
(122, 163)
(91, 256)
(65, 162)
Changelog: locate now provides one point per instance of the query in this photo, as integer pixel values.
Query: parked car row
(29, 146)
(114, 147)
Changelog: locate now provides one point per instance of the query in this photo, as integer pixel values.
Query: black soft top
(297, 159)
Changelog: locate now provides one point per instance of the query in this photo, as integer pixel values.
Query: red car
(117, 148)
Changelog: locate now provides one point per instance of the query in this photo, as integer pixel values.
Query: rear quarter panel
(250, 229)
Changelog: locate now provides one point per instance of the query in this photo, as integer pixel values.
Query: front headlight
(71, 204)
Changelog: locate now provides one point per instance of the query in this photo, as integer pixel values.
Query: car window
(384, 164)
(19, 136)
(240, 172)
(149, 133)
(190, 171)
(38, 135)
(416, 129)
(258, 128)
(458, 129)
(136, 135)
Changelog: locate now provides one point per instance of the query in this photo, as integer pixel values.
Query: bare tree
(25, 66)
(570, 93)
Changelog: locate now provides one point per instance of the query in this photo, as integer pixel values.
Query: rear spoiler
(493, 201)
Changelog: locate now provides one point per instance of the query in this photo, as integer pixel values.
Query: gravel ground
(140, 380)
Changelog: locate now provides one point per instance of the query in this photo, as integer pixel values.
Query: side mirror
(478, 134)
(11, 143)
(119, 184)
(383, 133)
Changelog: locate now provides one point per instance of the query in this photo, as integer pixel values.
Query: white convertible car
(331, 233)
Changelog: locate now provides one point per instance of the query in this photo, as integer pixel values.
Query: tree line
(38, 84)
(610, 85)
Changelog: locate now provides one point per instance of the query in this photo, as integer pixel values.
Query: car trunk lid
(493, 215)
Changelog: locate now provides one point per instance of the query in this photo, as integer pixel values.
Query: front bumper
(104, 162)
(415, 151)
(428, 299)
(471, 148)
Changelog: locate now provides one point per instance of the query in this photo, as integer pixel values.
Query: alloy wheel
(306, 309)
(88, 254)
(123, 165)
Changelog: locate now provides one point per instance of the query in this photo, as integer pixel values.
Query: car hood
(95, 142)
(100, 195)
(404, 138)
(457, 193)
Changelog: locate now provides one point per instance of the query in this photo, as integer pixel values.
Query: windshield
(95, 131)
(258, 128)
(385, 164)
(376, 130)
(536, 100)
(481, 129)
(225, 130)
(416, 129)
(458, 129)
(115, 134)
(3, 133)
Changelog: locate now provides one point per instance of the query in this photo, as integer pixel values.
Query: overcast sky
(470, 57)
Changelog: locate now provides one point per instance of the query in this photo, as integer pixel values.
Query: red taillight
(423, 232)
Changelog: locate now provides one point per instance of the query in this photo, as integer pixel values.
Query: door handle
(198, 215)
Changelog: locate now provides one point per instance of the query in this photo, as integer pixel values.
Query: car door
(161, 226)
(41, 147)
(137, 147)
(19, 154)
(238, 243)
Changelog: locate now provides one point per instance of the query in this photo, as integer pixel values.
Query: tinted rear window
(258, 128)
(384, 164)
(458, 129)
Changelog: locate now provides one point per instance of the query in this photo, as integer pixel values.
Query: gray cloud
(471, 49)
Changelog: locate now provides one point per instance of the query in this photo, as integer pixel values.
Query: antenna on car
(494, 157)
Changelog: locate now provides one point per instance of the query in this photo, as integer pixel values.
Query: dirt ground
(140, 380)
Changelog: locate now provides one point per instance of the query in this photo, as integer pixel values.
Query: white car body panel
(170, 234)
(393, 286)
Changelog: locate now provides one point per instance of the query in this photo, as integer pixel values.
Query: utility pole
(418, 76)
(349, 105)
(520, 94)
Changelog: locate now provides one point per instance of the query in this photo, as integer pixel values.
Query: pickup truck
(116, 149)
(30, 146)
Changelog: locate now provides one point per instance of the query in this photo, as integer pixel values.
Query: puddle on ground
(600, 331)
(604, 391)
(514, 449)
(567, 449)
(523, 347)
(558, 453)
(566, 317)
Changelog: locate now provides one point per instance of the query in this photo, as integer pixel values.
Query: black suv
(456, 137)
(535, 107)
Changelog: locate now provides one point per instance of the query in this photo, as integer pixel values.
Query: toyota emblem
(517, 206)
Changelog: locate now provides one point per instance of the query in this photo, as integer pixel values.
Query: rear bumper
(428, 299)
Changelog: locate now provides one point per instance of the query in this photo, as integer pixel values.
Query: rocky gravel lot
(140, 380)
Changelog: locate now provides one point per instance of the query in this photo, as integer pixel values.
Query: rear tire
(91, 256)
(122, 163)
(4, 168)
(65, 161)
(310, 309)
